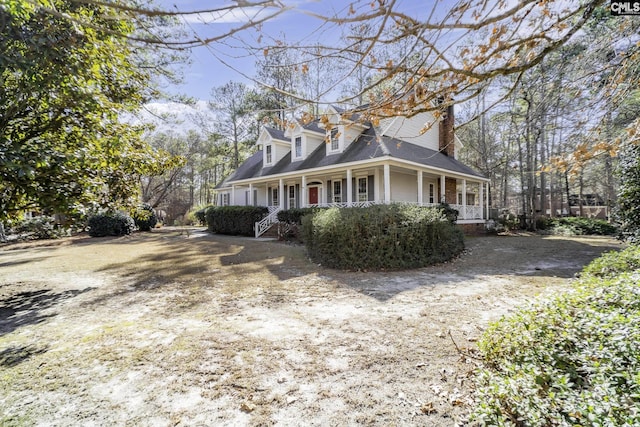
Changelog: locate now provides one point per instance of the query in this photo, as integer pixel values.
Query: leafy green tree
(63, 87)
(234, 121)
(627, 213)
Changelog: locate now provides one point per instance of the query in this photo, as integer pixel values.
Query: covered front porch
(361, 187)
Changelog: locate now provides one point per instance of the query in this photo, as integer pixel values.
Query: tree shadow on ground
(21, 262)
(209, 260)
(17, 354)
(186, 267)
(31, 307)
(179, 258)
(488, 256)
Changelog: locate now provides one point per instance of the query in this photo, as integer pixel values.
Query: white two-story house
(346, 162)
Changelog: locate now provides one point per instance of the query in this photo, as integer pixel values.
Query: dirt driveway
(169, 329)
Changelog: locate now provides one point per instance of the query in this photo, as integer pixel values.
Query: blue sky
(207, 69)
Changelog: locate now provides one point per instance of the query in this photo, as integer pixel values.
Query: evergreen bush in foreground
(145, 218)
(570, 361)
(40, 227)
(110, 224)
(381, 237)
(234, 220)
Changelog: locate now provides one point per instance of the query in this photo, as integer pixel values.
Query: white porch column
(442, 189)
(281, 196)
(481, 199)
(250, 195)
(349, 188)
(303, 192)
(329, 192)
(464, 199)
(232, 196)
(487, 196)
(387, 184)
(266, 195)
(420, 188)
(376, 185)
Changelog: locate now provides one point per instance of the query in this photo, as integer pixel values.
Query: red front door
(313, 195)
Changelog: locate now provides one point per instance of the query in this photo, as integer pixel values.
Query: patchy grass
(165, 328)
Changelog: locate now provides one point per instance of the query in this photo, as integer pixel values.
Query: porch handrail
(265, 223)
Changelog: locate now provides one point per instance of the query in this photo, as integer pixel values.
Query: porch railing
(468, 212)
(344, 205)
(464, 212)
(265, 223)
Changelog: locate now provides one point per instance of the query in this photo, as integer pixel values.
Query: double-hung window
(337, 191)
(298, 147)
(292, 197)
(363, 194)
(432, 194)
(335, 139)
(269, 155)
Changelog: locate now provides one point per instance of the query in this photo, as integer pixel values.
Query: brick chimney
(446, 142)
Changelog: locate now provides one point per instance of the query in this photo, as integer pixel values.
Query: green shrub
(200, 215)
(507, 220)
(572, 360)
(450, 213)
(145, 218)
(294, 216)
(234, 220)
(380, 237)
(613, 263)
(291, 222)
(577, 226)
(40, 227)
(110, 224)
(626, 213)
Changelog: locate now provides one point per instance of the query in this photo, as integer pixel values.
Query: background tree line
(548, 91)
(547, 136)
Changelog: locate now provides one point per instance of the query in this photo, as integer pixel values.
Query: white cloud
(174, 117)
(229, 16)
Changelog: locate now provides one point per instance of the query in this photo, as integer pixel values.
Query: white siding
(280, 149)
(310, 143)
(238, 196)
(409, 130)
(349, 134)
(425, 191)
(261, 197)
(404, 187)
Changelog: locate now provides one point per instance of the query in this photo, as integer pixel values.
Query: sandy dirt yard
(170, 329)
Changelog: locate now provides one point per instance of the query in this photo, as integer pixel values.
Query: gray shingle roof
(368, 146)
(276, 133)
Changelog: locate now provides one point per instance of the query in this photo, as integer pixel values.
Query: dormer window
(268, 155)
(335, 141)
(298, 147)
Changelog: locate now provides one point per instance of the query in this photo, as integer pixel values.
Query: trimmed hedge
(294, 216)
(234, 220)
(110, 224)
(571, 360)
(576, 226)
(145, 217)
(381, 237)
